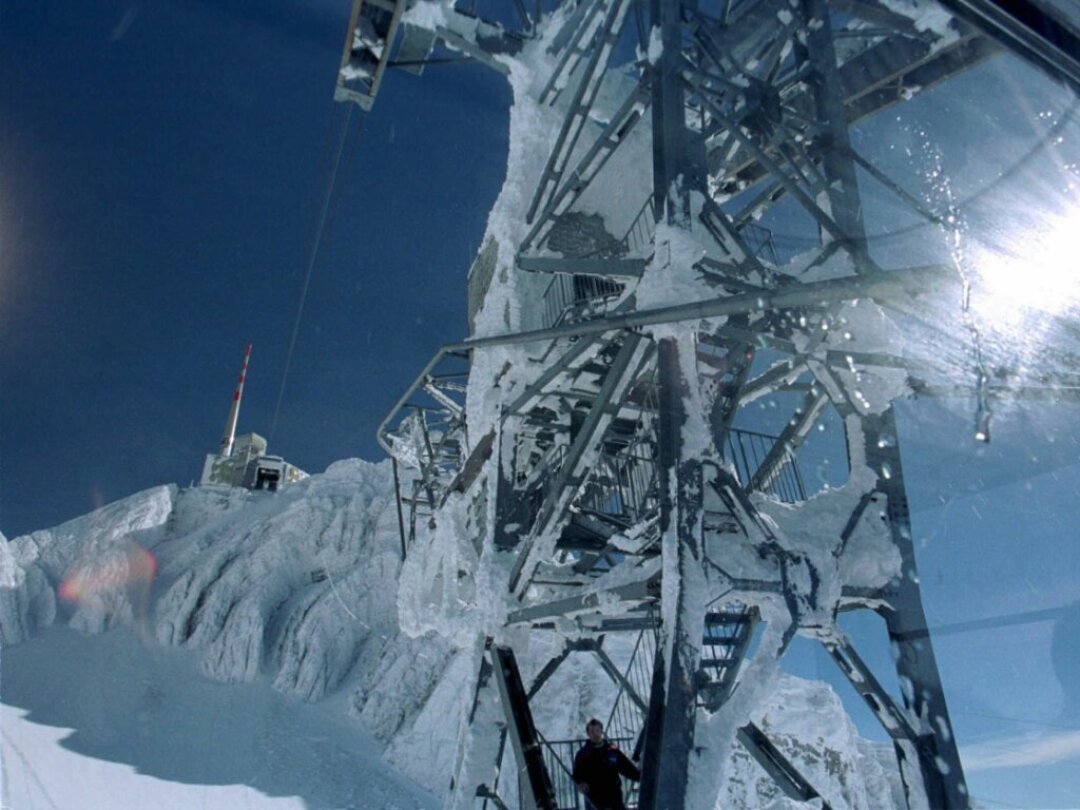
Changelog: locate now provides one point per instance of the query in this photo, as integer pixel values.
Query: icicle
(983, 412)
(953, 226)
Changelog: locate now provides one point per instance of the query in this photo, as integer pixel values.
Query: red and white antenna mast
(234, 411)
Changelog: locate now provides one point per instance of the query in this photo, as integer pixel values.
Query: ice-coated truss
(608, 467)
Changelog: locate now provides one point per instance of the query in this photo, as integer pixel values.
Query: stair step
(718, 663)
(716, 641)
(725, 619)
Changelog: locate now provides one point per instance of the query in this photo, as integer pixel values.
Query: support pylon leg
(669, 735)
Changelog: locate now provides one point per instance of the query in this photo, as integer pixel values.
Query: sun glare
(1036, 270)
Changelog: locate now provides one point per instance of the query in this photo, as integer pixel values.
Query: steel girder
(679, 168)
(1033, 30)
(753, 100)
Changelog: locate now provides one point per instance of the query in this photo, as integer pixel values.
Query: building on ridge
(242, 461)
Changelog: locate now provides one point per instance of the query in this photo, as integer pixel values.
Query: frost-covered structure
(618, 453)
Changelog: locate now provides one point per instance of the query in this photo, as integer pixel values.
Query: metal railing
(622, 485)
(425, 434)
(559, 759)
(639, 235)
(759, 239)
(627, 718)
(747, 449)
(574, 297)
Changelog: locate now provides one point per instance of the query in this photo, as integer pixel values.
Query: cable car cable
(316, 246)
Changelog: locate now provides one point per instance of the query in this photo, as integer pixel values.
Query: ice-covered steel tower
(621, 446)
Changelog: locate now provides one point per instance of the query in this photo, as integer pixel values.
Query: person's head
(594, 730)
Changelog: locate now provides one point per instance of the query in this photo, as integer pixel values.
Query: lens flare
(1036, 271)
(124, 571)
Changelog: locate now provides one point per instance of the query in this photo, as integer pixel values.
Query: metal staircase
(727, 639)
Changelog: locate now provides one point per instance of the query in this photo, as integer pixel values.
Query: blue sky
(160, 164)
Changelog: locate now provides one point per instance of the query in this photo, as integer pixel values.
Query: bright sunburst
(1036, 269)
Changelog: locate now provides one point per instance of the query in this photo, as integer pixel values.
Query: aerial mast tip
(234, 411)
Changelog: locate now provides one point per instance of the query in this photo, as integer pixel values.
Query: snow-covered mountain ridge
(302, 586)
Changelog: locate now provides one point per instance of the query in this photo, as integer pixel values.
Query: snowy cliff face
(302, 587)
(294, 584)
(846, 769)
(90, 557)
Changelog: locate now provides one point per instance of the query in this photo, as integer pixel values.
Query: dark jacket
(599, 766)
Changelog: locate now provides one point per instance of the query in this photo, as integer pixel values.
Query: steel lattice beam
(756, 99)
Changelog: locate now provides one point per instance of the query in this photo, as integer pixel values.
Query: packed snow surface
(112, 723)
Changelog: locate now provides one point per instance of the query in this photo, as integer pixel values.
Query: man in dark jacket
(597, 767)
